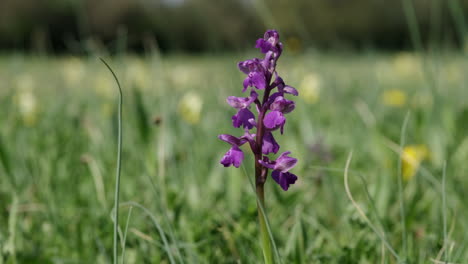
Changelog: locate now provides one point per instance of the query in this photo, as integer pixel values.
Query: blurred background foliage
(81, 26)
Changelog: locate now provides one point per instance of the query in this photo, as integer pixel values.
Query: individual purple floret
(234, 156)
(284, 179)
(268, 115)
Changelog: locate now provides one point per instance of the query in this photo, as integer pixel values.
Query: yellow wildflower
(394, 97)
(26, 100)
(137, 74)
(182, 76)
(453, 73)
(407, 65)
(73, 71)
(310, 88)
(412, 157)
(190, 107)
(104, 85)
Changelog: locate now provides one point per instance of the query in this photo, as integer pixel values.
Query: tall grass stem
(401, 197)
(119, 163)
(444, 213)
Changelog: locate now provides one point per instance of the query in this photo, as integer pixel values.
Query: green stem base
(264, 237)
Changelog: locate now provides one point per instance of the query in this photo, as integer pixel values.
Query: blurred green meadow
(58, 147)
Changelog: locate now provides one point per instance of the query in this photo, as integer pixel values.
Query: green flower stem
(264, 237)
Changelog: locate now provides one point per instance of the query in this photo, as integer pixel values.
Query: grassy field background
(58, 143)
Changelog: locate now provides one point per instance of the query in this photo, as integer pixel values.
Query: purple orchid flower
(269, 116)
(234, 156)
(283, 163)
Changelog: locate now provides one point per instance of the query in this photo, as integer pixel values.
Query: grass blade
(361, 212)
(119, 163)
(158, 227)
(400, 188)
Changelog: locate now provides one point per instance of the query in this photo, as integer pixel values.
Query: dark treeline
(208, 25)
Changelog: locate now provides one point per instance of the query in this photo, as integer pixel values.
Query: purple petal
(242, 118)
(284, 179)
(253, 122)
(246, 83)
(290, 90)
(271, 36)
(236, 102)
(232, 139)
(242, 102)
(263, 45)
(268, 42)
(278, 82)
(234, 156)
(282, 104)
(258, 80)
(274, 120)
(284, 163)
(248, 66)
(244, 66)
(249, 137)
(269, 144)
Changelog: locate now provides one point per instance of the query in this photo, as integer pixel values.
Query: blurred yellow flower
(73, 70)
(190, 107)
(103, 85)
(310, 87)
(412, 157)
(407, 65)
(453, 73)
(422, 100)
(183, 75)
(137, 74)
(26, 100)
(394, 97)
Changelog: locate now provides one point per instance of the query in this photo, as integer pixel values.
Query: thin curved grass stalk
(459, 18)
(400, 188)
(361, 212)
(382, 248)
(124, 239)
(410, 14)
(157, 225)
(119, 163)
(444, 212)
(169, 223)
(372, 203)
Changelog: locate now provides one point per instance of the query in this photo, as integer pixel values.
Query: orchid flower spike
(267, 115)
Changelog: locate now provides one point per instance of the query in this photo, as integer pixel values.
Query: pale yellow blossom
(190, 107)
(137, 73)
(407, 65)
(73, 71)
(394, 97)
(310, 87)
(26, 100)
(412, 156)
(104, 85)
